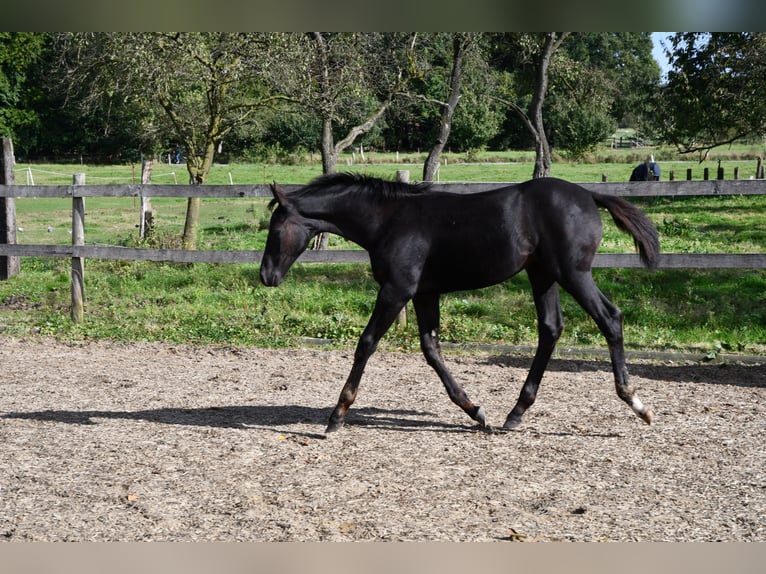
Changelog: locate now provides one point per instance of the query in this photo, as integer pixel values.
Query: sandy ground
(110, 442)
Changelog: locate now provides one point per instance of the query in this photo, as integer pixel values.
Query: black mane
(357, 183)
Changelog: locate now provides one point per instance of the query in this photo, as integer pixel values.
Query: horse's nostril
(270, 278)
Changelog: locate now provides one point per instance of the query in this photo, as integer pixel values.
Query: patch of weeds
(674, 227)
(469, 307)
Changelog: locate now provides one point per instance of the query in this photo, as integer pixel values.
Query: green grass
(674, 310)
(679, 310)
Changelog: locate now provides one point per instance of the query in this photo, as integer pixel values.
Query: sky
(657, 51)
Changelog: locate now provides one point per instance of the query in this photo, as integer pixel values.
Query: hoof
(333, 427)
(643, 413)
(480, 417)
(511, 423)
(647, 416)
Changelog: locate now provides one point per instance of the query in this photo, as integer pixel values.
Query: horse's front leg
(427, 310)
(390, 301)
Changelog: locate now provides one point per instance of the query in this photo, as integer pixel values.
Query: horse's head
(289, 235)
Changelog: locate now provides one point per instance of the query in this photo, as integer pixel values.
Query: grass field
(682, 310)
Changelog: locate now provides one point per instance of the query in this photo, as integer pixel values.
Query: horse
(424, 242)
(647, 171)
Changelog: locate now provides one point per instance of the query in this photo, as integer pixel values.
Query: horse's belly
(469, 269)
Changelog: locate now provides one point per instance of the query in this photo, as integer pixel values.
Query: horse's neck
(349, 216)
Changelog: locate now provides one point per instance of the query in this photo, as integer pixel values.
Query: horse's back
(466, 241)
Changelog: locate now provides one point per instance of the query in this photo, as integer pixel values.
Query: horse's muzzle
(270, 276)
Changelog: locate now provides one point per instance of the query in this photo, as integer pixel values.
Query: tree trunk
(327, 109)
(542, 156)
(199, 169)
(542, 147)
(431, 165)
(329, 161)
(329, 153)
(191, 225)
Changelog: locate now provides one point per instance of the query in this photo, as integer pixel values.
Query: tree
(19, 51)
(608, 79)
(462, 43)
(536, 53)
(416, 119)
(714, 92)
(196, 87)
(578, 112)
(629, 74)
(347, 80)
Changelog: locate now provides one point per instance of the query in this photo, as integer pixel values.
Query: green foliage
(579, 130)
(630, 75)
(19, 51)
(672, 227)
(67, 95)
(121, 96)
(714, 91)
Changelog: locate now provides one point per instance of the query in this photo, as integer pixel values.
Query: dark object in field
(647, 171)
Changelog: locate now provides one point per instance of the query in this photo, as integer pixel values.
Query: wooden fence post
(9, 265)
(759, 168)
(78, 238)
(147, 215)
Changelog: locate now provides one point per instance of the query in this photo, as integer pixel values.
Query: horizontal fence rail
(602, 260)
(677, 188)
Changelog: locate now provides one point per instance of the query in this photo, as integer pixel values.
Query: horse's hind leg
(609, 320)
(427, 310)
(550, 324)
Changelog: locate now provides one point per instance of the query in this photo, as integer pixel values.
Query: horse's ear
(280, 197)
(279, 194)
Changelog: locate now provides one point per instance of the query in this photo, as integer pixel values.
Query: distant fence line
(625, 142)
(78, 251)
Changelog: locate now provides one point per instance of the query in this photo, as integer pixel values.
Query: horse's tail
(633, 221)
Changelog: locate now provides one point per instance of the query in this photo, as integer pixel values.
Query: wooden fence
(78, 251)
